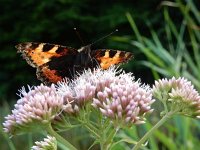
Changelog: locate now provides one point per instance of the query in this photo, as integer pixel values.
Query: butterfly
(54, 62)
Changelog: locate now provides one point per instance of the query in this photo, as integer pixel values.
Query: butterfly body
(55, 62)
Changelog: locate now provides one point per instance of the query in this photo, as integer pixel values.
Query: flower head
(179, 95)
(76, 94)
(122, 99)
(48, 143)
(38, 106)
(115, 93)
(83, 88)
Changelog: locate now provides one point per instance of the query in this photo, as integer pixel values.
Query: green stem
(91, 129)
(30, 140)
(106, 140)
(112, 134)
(146, 136)
(103, 146)
(59, 138)
(7, 138)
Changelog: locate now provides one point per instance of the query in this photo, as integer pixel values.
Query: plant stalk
(150, 132)
(60, 138)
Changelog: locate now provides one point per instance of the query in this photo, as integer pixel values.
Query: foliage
(172, 50)
(53, 22)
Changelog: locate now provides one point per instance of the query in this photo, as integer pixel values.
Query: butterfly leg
(76, 69)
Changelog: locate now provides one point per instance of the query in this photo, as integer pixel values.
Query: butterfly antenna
(79, 36)
(104, 37)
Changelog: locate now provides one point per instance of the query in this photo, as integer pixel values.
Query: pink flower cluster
(114, 93)
(39, 106)
(123, 100)
(49, 143)
(179, 94)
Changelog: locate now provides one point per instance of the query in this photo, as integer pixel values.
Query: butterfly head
(85, 49)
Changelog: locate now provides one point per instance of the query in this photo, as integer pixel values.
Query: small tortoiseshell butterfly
(54, 62)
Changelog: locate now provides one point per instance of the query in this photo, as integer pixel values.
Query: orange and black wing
(108, 57)
(51, 60)
(55, 62)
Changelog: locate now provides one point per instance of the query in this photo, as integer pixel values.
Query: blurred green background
(163, 35)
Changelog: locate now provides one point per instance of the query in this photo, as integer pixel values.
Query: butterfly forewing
(109, 57)
(37, 54)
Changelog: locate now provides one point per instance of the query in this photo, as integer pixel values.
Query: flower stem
(146, 136)
(59, 138)
(107, 139)
(92, 130)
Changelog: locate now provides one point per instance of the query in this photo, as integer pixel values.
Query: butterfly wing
(52, 61)
(108, 57)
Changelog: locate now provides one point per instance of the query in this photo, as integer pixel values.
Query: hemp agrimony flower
(49, 143)
(113, 92)
(102, 101)
(38, 106)
(179, 95)
(122, 99)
